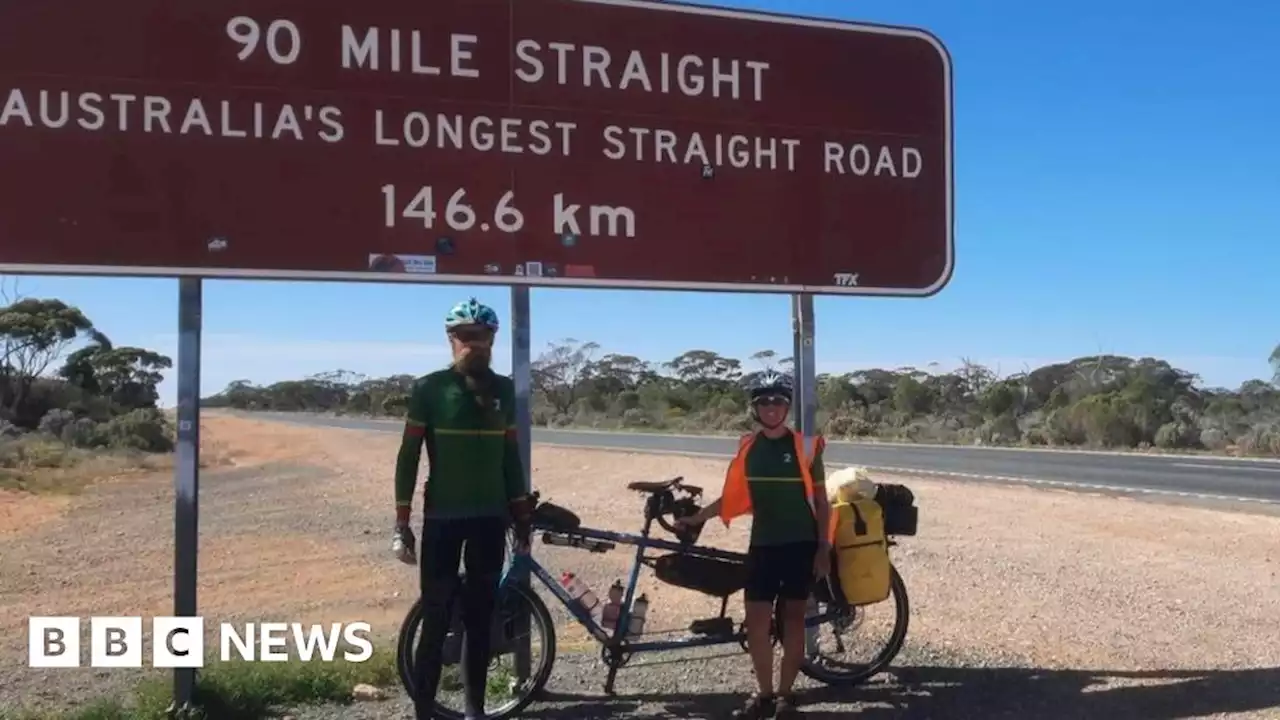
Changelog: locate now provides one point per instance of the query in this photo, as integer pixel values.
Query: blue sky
(1116, 188)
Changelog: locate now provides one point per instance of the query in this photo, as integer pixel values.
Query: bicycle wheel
(844, 631)
(505, 695)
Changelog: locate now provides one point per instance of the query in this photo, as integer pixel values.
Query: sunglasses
(771, 401)
(472, 334)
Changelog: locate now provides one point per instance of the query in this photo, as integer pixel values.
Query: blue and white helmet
(471, 312)
(770, 382)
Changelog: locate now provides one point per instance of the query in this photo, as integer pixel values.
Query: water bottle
(588, 599)
(579, 592)
(639, 609)
(566, 582)
(612, 608)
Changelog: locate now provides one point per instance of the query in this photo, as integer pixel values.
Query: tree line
(63, 381)
(1102, 401)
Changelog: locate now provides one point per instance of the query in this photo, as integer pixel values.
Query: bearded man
(475, 490)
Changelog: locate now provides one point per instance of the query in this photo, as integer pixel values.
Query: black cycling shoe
(757, 707)
(785, 707)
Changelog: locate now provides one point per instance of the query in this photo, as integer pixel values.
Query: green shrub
(1000, 430)
(55, 421)
(1214, 439)
(84, 433)
(635, 418)
(1261, 439)
(144, 429)
(33, 451)
(1036, 436)
(1175, 435)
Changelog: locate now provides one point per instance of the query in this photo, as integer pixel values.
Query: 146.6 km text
(418, 205)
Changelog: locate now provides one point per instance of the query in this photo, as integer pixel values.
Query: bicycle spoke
(856, 641)
(502, 687)
(504, 693)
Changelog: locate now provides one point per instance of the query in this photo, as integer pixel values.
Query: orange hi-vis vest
(735, 501)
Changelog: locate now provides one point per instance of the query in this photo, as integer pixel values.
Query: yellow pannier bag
(862, 551)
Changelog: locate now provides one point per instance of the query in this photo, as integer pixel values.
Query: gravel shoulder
(1026, 603)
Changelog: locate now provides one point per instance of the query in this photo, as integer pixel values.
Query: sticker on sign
(661, 145)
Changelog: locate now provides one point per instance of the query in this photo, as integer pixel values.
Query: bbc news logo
(178, 642)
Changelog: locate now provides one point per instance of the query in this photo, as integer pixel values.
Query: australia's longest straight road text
(1183, 475)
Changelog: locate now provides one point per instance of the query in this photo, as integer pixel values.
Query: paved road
(1184, 476)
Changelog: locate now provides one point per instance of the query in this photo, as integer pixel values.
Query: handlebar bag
(549, 516)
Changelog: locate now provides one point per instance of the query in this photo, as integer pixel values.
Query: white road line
(1236, 468)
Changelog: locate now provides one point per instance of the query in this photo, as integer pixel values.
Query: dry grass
(24, 512)
(36, 464)
(39, 475)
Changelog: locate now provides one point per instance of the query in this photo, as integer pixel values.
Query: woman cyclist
(780, 482)
(465, 416)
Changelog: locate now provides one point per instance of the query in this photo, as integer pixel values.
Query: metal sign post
(522, 374)
(806, 382)
(186, 472)
(806, 410)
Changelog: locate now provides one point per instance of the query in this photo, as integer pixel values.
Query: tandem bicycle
(522, 614)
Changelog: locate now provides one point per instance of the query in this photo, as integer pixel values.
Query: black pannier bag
(900, 513)
(709, 576)
(549, 516)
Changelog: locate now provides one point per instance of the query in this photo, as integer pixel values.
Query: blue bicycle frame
(522, 566)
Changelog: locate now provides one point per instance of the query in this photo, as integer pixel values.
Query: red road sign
(608, 143)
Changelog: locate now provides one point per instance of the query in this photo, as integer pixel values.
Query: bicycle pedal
(712, 626)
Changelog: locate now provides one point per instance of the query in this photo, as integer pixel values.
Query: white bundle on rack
(848, 483)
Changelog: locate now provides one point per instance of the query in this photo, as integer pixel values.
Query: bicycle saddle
(655, 487)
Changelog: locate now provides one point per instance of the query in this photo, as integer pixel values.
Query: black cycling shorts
(780, 572)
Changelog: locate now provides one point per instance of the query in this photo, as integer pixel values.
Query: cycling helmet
(770, 382)
(471, 312)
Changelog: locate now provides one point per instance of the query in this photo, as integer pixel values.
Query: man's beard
(474, 363)
(474, 366)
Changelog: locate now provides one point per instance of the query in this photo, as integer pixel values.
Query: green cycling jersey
(474, 467)
(781, 513)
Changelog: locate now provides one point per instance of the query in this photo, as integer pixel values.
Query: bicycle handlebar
(658, 507)
(667, 504)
